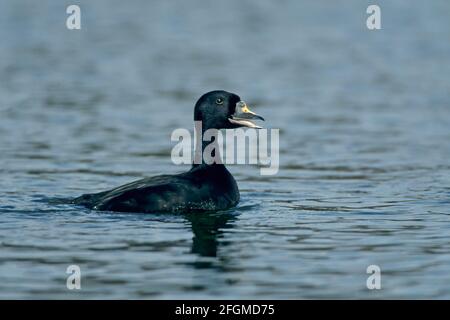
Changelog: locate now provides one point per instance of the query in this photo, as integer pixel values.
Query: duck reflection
(207, 230)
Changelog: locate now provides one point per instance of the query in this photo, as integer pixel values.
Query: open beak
(243, 115)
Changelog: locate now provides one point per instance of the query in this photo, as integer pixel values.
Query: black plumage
(205, 187)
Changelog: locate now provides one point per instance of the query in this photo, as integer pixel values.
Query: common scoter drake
(205, 187)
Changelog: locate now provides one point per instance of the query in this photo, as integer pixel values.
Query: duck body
(203, 188)
(207, 186)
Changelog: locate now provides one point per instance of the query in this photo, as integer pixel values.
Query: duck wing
(158, 193)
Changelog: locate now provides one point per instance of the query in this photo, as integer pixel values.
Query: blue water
(364, 125)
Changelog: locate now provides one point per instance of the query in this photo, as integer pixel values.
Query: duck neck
(207, 150)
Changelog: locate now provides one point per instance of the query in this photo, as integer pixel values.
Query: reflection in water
(207, 229)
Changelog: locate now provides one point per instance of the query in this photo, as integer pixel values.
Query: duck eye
(219, 101)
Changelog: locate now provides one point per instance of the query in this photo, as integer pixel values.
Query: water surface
(364, 131)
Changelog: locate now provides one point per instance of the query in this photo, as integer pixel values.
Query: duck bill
(243, 116)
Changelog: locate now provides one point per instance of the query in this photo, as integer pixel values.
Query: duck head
(224, 110)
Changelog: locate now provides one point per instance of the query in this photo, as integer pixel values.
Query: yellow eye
(219, 101)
